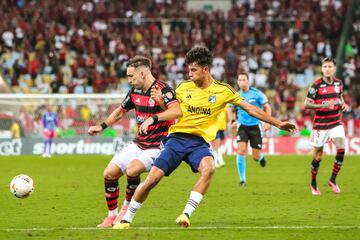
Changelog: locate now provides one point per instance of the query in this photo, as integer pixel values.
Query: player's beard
(137, 86)
(328, 79)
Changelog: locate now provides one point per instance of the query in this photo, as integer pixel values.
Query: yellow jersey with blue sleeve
(202, 107)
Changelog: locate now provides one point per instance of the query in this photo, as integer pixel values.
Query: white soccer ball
(22, 186)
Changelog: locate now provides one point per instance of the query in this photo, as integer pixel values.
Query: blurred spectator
(349, 72)
(15, 129)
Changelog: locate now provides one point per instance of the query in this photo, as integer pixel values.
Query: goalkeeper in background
(50, 124)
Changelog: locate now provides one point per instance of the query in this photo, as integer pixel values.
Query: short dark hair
(244, 73)
(138, 61)
(328, 59)
(199, 55)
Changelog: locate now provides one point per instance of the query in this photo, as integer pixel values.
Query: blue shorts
(181, 146)
(220, 134)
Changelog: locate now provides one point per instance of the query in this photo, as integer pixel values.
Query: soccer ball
(22, 186)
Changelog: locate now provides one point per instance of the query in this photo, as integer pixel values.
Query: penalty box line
(179, 228)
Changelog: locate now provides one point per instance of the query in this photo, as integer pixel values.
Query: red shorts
(49, 134)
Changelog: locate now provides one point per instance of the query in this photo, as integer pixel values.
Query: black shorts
(220, 135)
(252, 134)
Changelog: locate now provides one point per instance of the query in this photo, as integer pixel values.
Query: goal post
(76, 113)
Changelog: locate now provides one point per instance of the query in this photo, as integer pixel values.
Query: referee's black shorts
(252, 134)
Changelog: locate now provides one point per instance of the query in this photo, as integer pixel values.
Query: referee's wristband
(155, 118)
(103, 125)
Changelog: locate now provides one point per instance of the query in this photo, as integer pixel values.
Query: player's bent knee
(134, 171)
(318, 155)
(339, 142)
(112, 174)
(150, 182)
(207, 171)
(241, 152)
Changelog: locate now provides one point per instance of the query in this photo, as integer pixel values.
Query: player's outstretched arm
(172, 112)
(263, 116)
(115, 116)
(267, 109)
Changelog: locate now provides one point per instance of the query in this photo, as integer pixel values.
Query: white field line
(179, 228)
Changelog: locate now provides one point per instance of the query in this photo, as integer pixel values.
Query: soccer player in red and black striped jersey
(137, 157)
(325, 96)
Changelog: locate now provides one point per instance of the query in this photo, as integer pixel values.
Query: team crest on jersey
(312, 91)
(337, 89)
(151, 102)
(212, 99)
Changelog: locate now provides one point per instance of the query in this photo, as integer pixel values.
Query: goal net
(76, 113)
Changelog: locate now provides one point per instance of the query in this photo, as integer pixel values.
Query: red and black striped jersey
(145, 107)
(321, 92)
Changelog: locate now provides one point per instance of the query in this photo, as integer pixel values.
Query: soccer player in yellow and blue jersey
(202, 99)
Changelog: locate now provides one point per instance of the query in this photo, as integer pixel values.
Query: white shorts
(131, 152)
(320, 137)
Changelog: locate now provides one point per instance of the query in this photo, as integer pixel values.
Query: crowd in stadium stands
(82, 46)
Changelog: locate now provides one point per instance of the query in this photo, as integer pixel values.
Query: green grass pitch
(68, 202)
